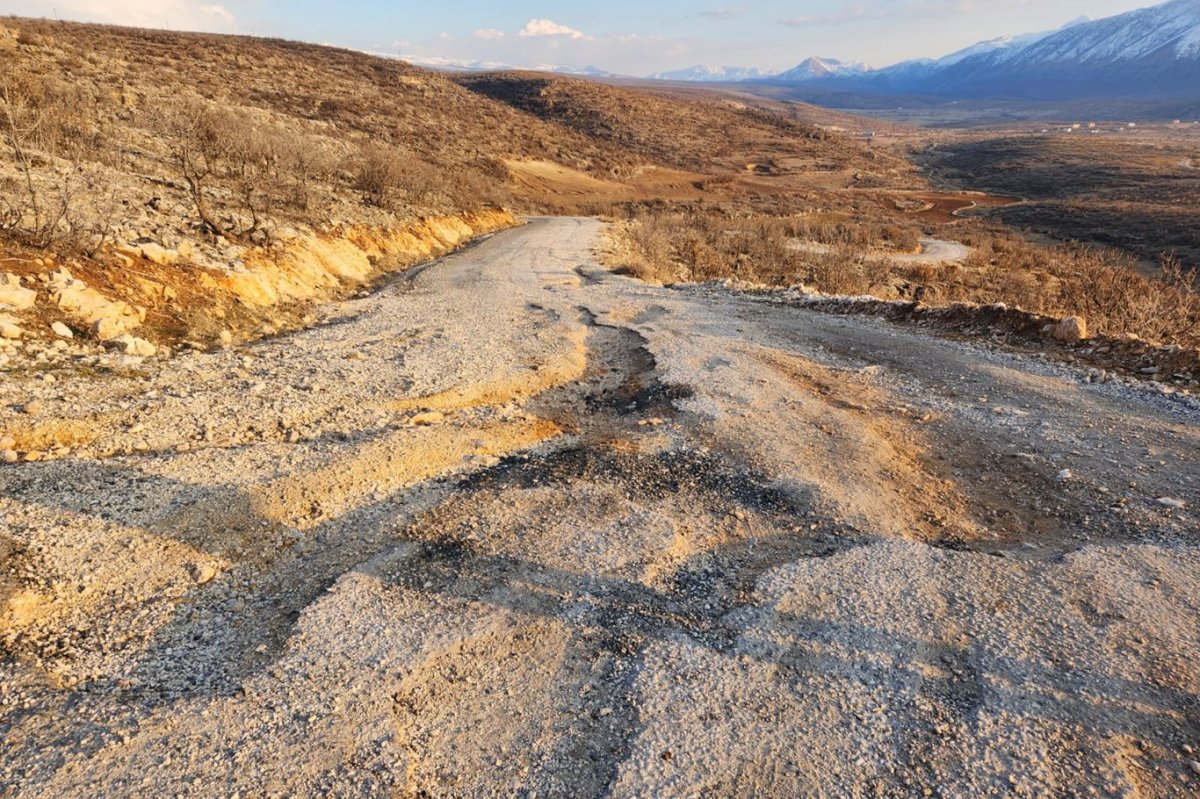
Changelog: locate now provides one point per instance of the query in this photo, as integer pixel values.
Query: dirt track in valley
(514, 526)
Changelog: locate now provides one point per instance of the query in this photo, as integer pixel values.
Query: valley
(376, 431)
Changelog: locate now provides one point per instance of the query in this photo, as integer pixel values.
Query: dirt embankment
(158, 296)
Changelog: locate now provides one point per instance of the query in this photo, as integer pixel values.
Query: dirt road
(516, 526)
(933, 251)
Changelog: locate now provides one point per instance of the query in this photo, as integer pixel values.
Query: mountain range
(1148, 52)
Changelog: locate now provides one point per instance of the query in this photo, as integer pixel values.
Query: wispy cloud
(173, 14)
(725, 12)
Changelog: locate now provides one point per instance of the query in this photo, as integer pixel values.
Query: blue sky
(627, 36)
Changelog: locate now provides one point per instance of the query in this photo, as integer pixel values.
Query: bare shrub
(40, 211)
(1115, 298)
(193, 134)
(382, 174)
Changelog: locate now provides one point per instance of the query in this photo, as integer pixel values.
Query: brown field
(1138, 191)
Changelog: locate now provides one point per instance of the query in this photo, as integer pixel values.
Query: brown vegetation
(1099, 284)
(1137, 191)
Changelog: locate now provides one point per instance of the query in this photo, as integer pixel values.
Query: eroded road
(516, 526)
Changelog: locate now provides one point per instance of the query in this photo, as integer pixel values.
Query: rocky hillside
(202, 186)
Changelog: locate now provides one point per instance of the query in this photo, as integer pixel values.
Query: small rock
(1071, 329)
(33, 407)
(226, 338)
(203, 573)
(33, 456)
(428, 418)
(9, 456)
(61, 330)
(1171, 502)
(132, 345)
(1195, 764)
(8, 442)
(1065, 474)
(10, 330)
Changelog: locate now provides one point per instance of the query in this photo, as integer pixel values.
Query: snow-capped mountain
(709, 74)
(1152, 51)
(820, 68)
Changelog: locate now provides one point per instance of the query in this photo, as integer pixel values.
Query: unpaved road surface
(936, 251)
(933, 251)
(517, 526)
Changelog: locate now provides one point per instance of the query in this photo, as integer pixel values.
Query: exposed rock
(106, 318)
(428, 418)
(9, 456)
(151, 251)
(1071, 329)
(61, 330)
(1171, 502)
(226, 338)
(203, 573)
(132, 345)
(9, 328)
(33, 407)
(14, 295)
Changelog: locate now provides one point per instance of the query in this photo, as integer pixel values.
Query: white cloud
(537, 28)
(171, 14)
(489, 34)
(219, 12)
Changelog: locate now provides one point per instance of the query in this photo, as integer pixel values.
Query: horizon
(760, 34)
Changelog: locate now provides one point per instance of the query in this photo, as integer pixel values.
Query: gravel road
(514, 525)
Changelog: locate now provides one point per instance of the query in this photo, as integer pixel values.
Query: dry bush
(46, 130)
(1115, 298)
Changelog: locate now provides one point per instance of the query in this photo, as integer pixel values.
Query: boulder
(106, 318)
(14, 295)
(61, 330)
(9, 328)
(132, 345)
(1071, 329)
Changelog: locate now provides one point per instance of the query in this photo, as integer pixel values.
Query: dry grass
(1099, 284)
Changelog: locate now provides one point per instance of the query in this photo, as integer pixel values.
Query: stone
(1171, 502)
(8, 442)
(61, 330)
(1065, 474)
(1071, 330)
(14, 295)
(226, 338)
(428, 418)
(203, 573)
(132, 345)
(33, 407)
(9, 456)
(10, 330)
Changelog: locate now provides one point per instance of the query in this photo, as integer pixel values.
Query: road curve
(516, 526)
